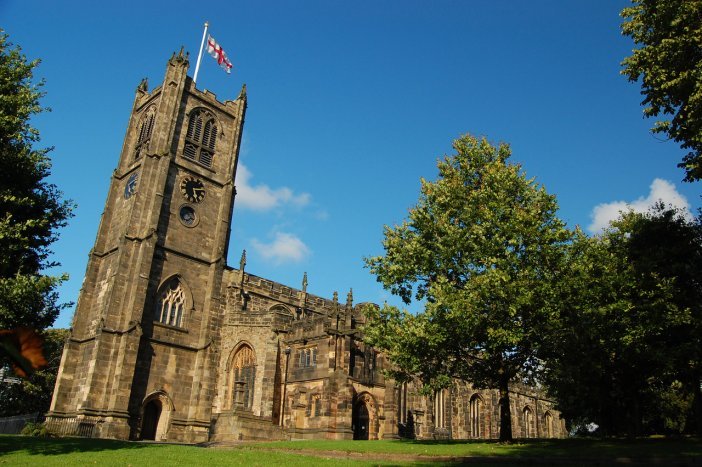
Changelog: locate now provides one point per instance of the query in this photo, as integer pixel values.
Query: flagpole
(199, 55)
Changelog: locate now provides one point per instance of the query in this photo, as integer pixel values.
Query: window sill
(198, 163)
(168, 326)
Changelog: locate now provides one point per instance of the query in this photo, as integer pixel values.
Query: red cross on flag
(214, 49)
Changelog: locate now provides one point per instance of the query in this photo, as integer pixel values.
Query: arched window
(528, 419)
(548, 424)
(201, 137)
(476, 406)
(171, 303)
(317, 405)
(402, 404)
(439, 408)
(146, 125)
(244, 369)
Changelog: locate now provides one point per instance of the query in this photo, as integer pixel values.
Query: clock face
(192, 189)
(130, 187)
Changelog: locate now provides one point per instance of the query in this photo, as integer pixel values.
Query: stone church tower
(162, 242)
(169, 343)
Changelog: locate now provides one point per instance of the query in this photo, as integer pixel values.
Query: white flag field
(217, 52)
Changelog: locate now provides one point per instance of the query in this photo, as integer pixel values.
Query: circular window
(188, 216)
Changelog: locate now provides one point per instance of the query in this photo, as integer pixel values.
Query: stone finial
(144, 85)
(304, 282)
(335, 297)
(242, 93)
(181, 57)
(242, 261)
(349, 298)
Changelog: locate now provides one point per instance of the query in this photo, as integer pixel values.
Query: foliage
(669, 64)
(625, 353)
(34, 393)
(35, 429)
(480, 249)
(32, 209)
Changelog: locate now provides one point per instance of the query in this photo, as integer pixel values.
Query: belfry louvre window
(201, 137)
(146, 126)
(170, 304)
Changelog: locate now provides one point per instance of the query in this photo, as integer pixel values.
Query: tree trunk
(694, 422)
(505, 412)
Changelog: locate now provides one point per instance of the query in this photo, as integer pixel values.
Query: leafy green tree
(625, 352)
(666, 245)
(480, 249)
(31, 209)
(33, 394)
(669, 64)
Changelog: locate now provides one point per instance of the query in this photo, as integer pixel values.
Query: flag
(214, 49)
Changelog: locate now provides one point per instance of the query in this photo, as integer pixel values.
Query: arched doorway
(365, 417)
(152, 414)
(156, 413)
(361, 421)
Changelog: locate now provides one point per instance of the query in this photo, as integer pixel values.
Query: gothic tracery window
(201, 137)
(146, 126)
(244, 369)
(171, 303)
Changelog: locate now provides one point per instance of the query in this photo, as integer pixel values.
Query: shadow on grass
(583, 448)
(52, 446)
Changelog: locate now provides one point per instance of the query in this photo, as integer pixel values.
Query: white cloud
(285, 248)
(661, 190)
(262, 197)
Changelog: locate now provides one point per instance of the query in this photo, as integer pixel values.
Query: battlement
(292, 296)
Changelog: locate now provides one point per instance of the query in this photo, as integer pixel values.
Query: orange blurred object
(25, 348)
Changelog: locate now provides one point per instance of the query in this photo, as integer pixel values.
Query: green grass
(21, 450)
(556, 448)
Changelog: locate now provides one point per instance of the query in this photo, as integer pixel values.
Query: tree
(480, 248)
(669, 63)
(33, 394)
(665, 244)
(31, 209)
(625, 351)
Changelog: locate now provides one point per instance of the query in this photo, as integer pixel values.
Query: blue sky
(350, 103)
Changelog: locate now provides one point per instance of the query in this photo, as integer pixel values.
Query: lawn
(20, 450)
(573, 448)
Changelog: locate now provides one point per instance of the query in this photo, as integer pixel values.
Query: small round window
(187, 216)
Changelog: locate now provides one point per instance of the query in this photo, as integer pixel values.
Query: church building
(170, 343)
